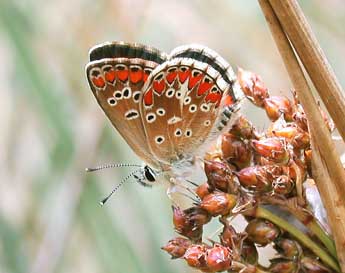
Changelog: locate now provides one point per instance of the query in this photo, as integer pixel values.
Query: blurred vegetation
(52, 128)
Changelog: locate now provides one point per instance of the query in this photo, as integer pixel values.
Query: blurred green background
(52, 128)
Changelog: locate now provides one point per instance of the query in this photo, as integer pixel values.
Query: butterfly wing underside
(182, 100)
(116, 74)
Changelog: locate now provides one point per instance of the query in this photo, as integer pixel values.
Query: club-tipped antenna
(104, 200)
(113, 165)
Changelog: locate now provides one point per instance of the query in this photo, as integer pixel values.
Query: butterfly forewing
(117, 85)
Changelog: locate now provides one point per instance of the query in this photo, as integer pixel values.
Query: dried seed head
(219, 176)
(310, 265)
(283, 266)
(252, 86)
(243, 128)
(272, 148)
(301, 119)
(196, 257)
(276, 106)
(219, 203)
(218, 258)
(235, 151)
(288, 248)
(262, 232)
(177, 247)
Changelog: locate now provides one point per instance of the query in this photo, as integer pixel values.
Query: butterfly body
(168, 108)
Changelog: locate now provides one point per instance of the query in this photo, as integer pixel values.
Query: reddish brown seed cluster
(251, 168)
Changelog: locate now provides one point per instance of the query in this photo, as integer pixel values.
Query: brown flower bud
(283, 266)
(310, 265)
(272, 148)
(288, 248)
(196, 256)
(177, 247)
(219, 203)
(197, 216)
(203, 190)
(219, 176)
(252, 86)
(218, 258)
(282, 185)
(276, 106)
(242, 128)
(300, 118)
(262, 232)
(235, 151)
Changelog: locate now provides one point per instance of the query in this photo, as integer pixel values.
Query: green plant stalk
(315, 228)
(261, 212)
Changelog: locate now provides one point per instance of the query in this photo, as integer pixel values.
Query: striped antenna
(114, 165)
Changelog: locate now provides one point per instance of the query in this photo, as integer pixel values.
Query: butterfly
(167, 107)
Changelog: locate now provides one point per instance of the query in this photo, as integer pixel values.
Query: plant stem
(261, 212)
(328, 171)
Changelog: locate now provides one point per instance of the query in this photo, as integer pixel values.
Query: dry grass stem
(314, 60)
(327, 164)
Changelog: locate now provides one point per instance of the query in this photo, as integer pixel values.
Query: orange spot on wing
(110, 76)
(214, 98)
(159, 86)
(145, 76)
(183, 75)
(148, 97)
(228, 100)
(204, 87)
(194, 80)
(122, 75)
(136, 76)
(98, 81)
(171, 77)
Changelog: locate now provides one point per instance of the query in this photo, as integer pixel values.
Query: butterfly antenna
(118, 186)
(107, 166)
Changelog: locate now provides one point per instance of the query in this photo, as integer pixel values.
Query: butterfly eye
(126, 93)
(149, 174)
(112, 101)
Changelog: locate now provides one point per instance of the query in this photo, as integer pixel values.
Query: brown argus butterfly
(168, 108)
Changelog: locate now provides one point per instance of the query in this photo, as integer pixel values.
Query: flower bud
(283, 266)
(196, 256)
(252, 86)
(218, 258)
(203, 190)
(272, 148)
(177, 247)
(219, 176)
(300, 119)
(235, 151)
(242, 128)
(197, 216)
(310, 265)
(262, 232)
(288, 248)
(282, 185)
(219, 203)
(275, 106)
